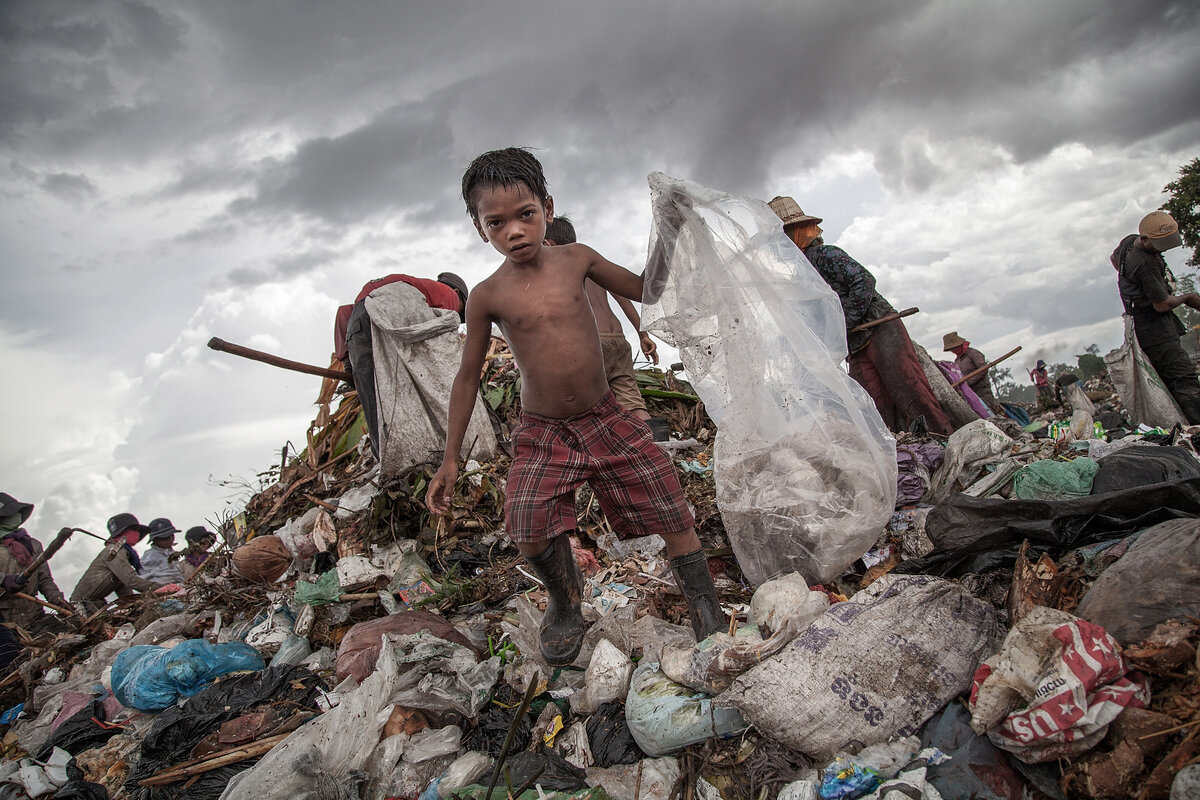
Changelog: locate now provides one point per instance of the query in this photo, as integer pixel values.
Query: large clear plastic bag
(805, 467)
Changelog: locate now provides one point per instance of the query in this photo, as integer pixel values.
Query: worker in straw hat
(1147, 290)
(968, 359)
(881, 358)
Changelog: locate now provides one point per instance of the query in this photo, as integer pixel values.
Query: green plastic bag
(325, 590)
(1055, 480)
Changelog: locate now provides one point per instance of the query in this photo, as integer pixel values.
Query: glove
(14, 583)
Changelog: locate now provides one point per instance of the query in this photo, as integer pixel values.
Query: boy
(571, 428)
(617, 354)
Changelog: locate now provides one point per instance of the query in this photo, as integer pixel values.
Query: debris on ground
(1024, 625)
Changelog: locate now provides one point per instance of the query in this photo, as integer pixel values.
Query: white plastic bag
(969, 450)
(1143, 393)
(607, 679)
(805, 467)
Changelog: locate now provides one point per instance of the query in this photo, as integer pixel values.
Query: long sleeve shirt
(157, 566)
(855, 287)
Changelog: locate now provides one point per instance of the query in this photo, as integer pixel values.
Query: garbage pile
(1024, 625)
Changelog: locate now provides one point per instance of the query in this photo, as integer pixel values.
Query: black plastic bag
(558, 774)
(79, 732)
(492, 726)
(609, 737)
(178, 729)
(973, 535)
(1144, 466)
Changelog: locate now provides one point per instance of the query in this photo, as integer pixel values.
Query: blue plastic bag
(151, 678)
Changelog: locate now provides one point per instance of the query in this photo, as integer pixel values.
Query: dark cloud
(73, 188)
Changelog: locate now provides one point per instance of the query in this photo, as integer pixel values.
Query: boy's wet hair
(508, 167)
(561, 231)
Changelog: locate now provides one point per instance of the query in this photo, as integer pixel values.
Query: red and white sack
(1053, 688)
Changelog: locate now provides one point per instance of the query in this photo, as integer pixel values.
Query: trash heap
(1025, 625)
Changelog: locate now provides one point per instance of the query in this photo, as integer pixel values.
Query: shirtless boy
(571, 430)
(614, 347)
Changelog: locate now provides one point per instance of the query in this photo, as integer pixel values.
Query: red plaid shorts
(609, 448)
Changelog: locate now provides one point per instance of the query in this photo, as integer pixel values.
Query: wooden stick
(276, 361)
(908, 312)
(984, 368)
(66, 612)
(221, 760)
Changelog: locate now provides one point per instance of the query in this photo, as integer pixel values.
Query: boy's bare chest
(534, 304)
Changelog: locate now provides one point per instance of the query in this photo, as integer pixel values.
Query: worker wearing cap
(116, 567)
(1146, 286)
(968, 359)
(352, 344)
(882, 358)
(199, 540)
(18, 551)
(157, 561)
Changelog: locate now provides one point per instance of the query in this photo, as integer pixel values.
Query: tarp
(417, 351)
(974, 534)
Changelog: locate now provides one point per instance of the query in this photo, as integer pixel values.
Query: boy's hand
(649, 348)
(441, 488)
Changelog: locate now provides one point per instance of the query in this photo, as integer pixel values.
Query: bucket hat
(198, 534)
(120, 523)
(1161, 229)
(952, 340)
(161, 528)
(10, 505)
(790, 212)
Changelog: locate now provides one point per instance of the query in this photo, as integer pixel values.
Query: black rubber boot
(562, 626)
(696, 583)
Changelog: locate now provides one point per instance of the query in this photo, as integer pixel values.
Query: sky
(173, 171)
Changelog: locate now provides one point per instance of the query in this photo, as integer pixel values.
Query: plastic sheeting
(805, 467)
(1143, 393)
(1157, 579)
(417, 350)
(976, 534)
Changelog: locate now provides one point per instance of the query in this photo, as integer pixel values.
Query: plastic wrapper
(1053, 688)
(441, 677)
(665, 717)
(805, 467)
(152, 678)
(869, 669)
(293, 650)
(1157, 579)
(649, 779)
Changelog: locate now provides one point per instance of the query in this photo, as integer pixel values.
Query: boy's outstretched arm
(649, 348)
(613, 277)
(462, 402)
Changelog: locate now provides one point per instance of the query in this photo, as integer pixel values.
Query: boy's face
(513, 221)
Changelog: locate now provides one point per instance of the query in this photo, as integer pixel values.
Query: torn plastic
(1144, 466)
(805, 467)
(329, 746)
(876, 666)
(969, 450)
(658, 777)
(440, 677)
(607, 679)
